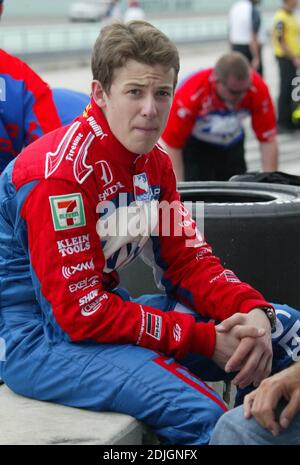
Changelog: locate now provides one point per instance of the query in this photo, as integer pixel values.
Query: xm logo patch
(67, 211)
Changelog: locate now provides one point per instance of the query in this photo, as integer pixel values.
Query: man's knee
(228, 427)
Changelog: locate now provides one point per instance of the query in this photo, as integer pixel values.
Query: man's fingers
(266, 418)
(289, 411)
(230, 322)
(247, 374)
(235, 361)
(249, 331)
(248, 401)
(264, 369)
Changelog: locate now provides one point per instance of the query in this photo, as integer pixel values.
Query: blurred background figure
(114, 12)
(69, 103)
(286, 44)
(246, 33)
(27, 109)
(204, 134)
(134, 11)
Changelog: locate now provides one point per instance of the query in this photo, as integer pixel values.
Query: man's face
(233, 90)
(138, 104)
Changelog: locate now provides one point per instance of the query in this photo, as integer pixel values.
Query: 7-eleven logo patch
(67, 211)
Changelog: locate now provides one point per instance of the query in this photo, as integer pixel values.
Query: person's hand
(228, 342)
(253, 357)
(262, 402)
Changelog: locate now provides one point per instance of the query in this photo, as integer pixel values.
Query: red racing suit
(27, 109)
(198, 111)
(74, 230)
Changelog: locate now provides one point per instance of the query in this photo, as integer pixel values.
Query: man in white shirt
(245, 31)
(134, 11)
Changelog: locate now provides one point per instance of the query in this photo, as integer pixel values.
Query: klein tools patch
(67, 211)
(142, 191)
(154, 325)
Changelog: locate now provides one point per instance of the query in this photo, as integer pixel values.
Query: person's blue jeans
(234, 429)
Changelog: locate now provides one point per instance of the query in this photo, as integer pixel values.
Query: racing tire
(254, 228)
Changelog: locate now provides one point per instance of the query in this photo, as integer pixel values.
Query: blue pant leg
(121, 378)
(285, 342)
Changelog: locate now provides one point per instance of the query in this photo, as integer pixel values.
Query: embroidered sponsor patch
(74, 245)
(177, 332)
(231, 277)
(142, 191)
(153, 325)
(68, 271)
(67, 211)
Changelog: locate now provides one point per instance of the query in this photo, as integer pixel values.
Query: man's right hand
(228, 342)
(252, 358)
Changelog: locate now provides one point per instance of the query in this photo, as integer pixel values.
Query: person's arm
(279, 32)
(269, 155)
(262, 402)
(254, 45)
(177, 160)
(72, 281)
(254, 48)
(264, 122)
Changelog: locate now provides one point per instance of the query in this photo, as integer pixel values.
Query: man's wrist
(270, 314)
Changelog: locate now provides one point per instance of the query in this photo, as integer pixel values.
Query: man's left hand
(254, 355)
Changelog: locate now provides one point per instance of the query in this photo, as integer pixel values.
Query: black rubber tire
(255, 230)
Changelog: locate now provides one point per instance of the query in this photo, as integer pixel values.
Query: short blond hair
(138, 40)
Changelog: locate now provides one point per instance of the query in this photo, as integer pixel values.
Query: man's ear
(98, 93)
(1, 9)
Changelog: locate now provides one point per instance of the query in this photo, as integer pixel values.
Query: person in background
(286, 45)
(246, 33)
(204, 135)
(27, 109)
(69, 103)
(113, 12)
(133, 11)
(270, 415)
